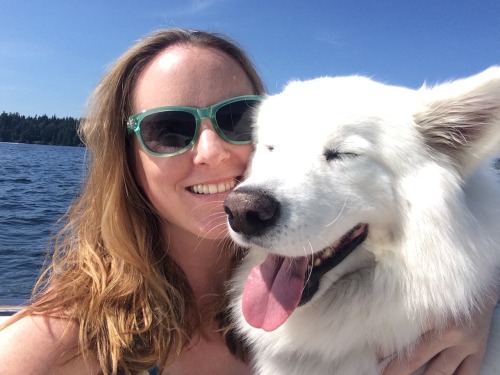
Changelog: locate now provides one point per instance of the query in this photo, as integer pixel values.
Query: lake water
(37, 185)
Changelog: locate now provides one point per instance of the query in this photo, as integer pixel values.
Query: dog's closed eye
(335, 155)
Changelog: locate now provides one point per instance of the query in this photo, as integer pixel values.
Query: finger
(444, 364)
(405, 365)
(426, 349)
(470, 365)
(398, 367)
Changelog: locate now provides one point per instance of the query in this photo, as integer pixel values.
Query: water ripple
(37, 185)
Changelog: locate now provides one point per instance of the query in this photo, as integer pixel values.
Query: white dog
(372, 213)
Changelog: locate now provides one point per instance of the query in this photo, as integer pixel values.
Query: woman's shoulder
(43, 345)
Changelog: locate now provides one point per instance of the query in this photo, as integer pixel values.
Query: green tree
(39, 129)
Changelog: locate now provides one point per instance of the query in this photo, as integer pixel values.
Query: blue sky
(53, 53)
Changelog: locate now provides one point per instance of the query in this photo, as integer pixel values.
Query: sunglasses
(169, 131)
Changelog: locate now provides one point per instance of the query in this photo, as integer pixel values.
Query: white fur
(422, 180)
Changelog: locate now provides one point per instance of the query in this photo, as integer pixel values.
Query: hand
(457, 350)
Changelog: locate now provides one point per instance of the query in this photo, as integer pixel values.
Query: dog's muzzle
(251, 212)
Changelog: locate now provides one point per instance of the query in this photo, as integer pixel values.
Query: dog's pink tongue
(273, 291)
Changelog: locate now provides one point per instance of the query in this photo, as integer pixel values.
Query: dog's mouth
(275, 288)
(329, 258)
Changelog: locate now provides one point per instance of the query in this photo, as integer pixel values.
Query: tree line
(39, 129)
(49, 130)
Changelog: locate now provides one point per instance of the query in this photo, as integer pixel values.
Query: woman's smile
(213, 188)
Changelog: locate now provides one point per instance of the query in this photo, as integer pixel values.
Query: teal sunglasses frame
(135, 120)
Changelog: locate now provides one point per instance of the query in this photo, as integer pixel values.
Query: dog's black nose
(251, 211)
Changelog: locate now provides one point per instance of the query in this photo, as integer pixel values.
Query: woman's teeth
(213, 188)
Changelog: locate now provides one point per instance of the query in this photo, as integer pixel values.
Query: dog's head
(338, 160)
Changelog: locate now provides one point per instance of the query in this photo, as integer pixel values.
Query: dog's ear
(462, 119)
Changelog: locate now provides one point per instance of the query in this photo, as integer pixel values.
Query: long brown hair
(109, 271)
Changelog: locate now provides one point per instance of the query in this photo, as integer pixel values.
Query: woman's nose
(210, 148)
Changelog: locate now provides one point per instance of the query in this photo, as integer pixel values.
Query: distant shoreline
(17, 128)
(40, 144)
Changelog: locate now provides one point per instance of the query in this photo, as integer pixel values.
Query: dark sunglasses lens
(168, 132)
(235, 120)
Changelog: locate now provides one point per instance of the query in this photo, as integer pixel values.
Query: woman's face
(192, 76)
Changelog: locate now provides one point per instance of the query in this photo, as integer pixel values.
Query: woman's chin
(214, 233)
(215, 229)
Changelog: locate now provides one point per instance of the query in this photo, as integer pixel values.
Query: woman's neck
(204, 261)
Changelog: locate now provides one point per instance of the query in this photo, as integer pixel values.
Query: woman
(138, 276)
